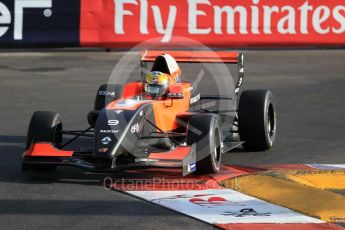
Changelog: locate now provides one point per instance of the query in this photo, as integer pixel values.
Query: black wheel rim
(57, 138)
(217, 149)
(271, 122)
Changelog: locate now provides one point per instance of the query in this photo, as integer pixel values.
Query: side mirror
(175, 92)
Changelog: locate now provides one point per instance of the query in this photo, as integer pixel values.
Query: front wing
(41, 154)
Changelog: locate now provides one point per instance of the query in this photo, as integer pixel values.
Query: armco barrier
(216, 23)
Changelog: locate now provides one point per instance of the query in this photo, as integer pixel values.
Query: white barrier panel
(223, 206)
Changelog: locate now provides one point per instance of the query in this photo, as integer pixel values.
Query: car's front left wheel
(44, 127)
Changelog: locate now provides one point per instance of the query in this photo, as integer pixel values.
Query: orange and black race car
(159, 121)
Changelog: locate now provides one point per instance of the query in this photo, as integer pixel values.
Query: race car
(158, 121)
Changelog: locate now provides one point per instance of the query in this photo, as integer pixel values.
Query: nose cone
(109, 129)
(116, 132)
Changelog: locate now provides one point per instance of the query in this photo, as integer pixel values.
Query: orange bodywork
(193, 56)
(177, 154)
(118, 106)
(131, 89)
(46, 150)
(165, 109)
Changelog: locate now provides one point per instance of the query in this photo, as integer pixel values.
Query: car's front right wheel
(205, 133)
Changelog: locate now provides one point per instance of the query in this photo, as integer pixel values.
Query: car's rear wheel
(205, 133)
(106, 93)
(44, 127)
(257, 120)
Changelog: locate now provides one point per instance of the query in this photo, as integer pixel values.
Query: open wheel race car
(134, 126)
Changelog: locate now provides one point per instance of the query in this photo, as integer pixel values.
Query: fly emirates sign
(214, 22)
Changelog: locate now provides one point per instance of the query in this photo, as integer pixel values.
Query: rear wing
(199, 57)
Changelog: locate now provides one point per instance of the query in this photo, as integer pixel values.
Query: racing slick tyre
(257, 120)
(204, 131)
(106, 93)
(44, 126)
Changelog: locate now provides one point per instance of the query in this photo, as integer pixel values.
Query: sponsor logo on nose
(106, 140)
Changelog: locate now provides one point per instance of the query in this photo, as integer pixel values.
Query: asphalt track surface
(308, 86)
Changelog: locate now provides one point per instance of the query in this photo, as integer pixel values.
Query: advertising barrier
(215, 23)
(39, 23)
(119, 23)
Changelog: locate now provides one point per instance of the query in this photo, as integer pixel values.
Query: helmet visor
(155, 90)
(158, 79)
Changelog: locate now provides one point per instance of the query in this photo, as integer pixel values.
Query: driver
(157, 83)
